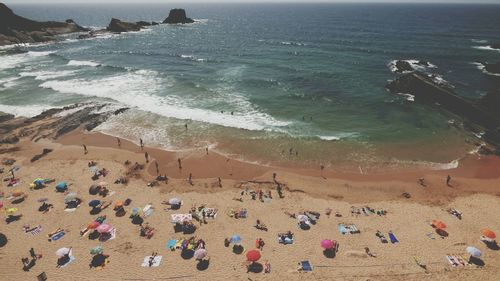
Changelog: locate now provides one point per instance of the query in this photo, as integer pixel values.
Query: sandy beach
(474, 192)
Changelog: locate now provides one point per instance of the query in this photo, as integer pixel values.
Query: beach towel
(242, 214)
(179, 218)
(342, 229)
(156, 261)
(306, 266)
(35, 230)
(57, 236)
(285, 241)
(113, 234)
(171, 244)
(148, 210)
(353, 229)
(393, 238)
(452, 261)
(71, 259)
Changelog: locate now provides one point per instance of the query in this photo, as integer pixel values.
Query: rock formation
(177, 16)
(15, 29)
(117, 25)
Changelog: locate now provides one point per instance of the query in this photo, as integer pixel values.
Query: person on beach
(146, 155)
(206, 149)
(448, 180)
(157, 168)
(322, 167)
(274, 177)
(152, 259)
(190, 179)
(220, 182)
(421, 181)
(85, 151)
(186, 126)
(180, 163)
(141, 144)
(119, 142)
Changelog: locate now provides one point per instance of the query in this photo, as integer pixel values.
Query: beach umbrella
(62, 186)
(94, 203)
(94, 189)
(136, 211)
(302, 218)
(104, 228)
(63, 252)
(96, 250)
(488, 233)
(253, 255)
(119, 203)
(438, 224)
(473, 251)
(93, 225)
(174, 201)
(327, 244)
(11, 210)
(98, 260)
(236, 239)
(70, 197)
(17, 193)
(200, 254)
(38, 181)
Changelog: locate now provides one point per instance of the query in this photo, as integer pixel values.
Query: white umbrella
(200, 254)
(70, 197)
(174, 201)
(473, 251)
(63, 252)
(302, 218)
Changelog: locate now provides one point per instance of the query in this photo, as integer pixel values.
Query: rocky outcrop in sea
(177, 16)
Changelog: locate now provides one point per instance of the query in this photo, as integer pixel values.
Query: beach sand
(474, 192)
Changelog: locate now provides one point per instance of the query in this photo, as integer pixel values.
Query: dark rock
(405, 66)
(16, 29)
(120, 111)
(117, 25)
(492, 67)
(155, 23)
(5, 117)
(45, 151)
(143, 23)
(177, 16)
(495, 46)
(10, 140)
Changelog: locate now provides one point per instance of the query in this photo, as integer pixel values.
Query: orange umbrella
(489, 233)
(17, 193)
(438, 224)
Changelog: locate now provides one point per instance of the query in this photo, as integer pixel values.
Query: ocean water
(256, 80)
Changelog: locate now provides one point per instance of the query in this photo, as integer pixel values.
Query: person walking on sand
(157, 168)
(190, 179)
(448, 180)
(119, 142)
(274, 177)
(146, 155)
(220, 182)
(141, 144)
(322, 167)
(206, 149)
(180, 163)
(85, 151)
(186, 126)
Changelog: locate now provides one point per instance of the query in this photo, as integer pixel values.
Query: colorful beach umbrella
(327, 244)
(94, 203)
(104, 228)
(253, 255)
(200, 254)
(17, 193)
(473, 251)
(488, 233)
(96, 250)
(236, 239)
(174, 201)
(11, 210)
(63, 252)
(438, 224)
(70, 197)
(93, 225)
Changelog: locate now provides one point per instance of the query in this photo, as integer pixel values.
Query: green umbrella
(96, 250)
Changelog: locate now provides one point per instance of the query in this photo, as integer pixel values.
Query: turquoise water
(307, 77)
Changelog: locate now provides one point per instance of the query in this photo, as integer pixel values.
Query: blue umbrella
(94, 203)
(62, 186)
(236, 239)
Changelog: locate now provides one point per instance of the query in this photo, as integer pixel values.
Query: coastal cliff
(15, 29)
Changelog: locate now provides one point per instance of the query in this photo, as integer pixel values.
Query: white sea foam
(408, 97)
(486, 48)
(24, 110)
(47, 75)
(338, 136)
(479, 41)
(482, 67)
(139, 90)
(83, 63)
(193, 58)
(8, 82)
(414, 64)
(17, 60)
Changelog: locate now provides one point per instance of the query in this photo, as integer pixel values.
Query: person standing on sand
(146, 155)
(141, 143)
(186, 126)
(180, 163)
(190, 179)
(274, 177)
(448, 180)
(220, 182)
(206, 149)
(157, 168)
(85, 151)
(119, 142)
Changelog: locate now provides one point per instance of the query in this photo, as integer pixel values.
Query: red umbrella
(327, 244)
(438, 224)
(489, 233)
(253, 255)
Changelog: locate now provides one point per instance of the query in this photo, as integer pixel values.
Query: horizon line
(461, 2)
